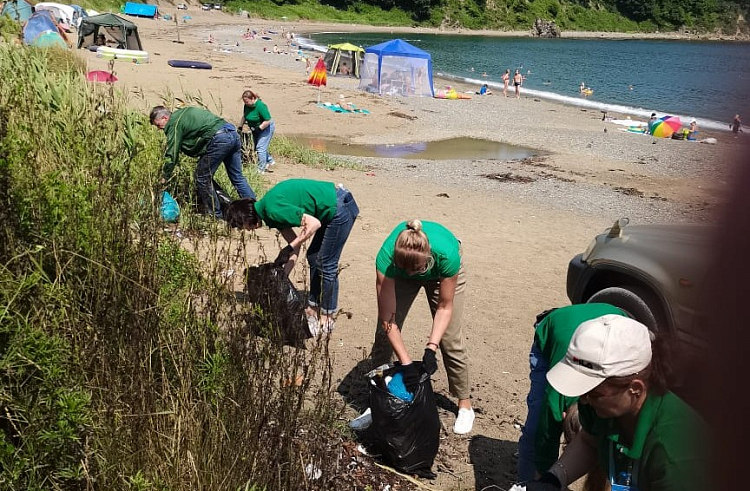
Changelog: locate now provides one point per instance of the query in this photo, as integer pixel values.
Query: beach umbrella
(100, 76)
(318, 75)
(665, 126)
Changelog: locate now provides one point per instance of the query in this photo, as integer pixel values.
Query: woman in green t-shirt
(324, 212)
(425, 255)
(256, 115)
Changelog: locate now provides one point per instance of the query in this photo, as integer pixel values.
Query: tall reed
(126, 355)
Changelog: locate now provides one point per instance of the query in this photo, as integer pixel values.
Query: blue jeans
(538, 368)
(325, 251)
(224, 147)
(262, 140)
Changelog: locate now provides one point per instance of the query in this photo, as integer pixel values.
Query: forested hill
(715, 16)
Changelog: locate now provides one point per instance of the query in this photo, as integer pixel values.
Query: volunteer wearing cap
(539, 445)
(643, 435)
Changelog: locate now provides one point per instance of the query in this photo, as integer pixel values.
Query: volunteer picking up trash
(425, 255)
(643, 435)
(324, 212)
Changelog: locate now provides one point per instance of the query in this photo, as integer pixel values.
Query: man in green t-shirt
(324, 212)
(539, 445)
(197, 132)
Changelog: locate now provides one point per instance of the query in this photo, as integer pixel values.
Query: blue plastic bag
(170, 210)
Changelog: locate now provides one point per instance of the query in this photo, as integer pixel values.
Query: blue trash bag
(170, 210)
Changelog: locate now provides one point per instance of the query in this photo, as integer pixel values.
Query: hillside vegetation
(718, 16)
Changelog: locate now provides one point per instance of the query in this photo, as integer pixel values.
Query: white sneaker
(313, 325)
(464, 421)
(362, 422)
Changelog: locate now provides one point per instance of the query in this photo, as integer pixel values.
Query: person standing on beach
(651, 122)
(506, 81)
(517, 81)
(414, 256)
(258, 118)
(199, 133)
(321, 210)
(736, 124)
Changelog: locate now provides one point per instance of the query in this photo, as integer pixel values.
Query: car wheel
(633, 300)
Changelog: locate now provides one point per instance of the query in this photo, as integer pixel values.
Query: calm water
(453, 148)
(706, 80)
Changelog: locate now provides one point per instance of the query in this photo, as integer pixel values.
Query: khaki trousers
(452, 346)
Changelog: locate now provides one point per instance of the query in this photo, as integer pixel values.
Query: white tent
(63, 13)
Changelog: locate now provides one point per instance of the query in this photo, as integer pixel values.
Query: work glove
(284, 256)
(429, 362)
(411, 376)
(548, 482)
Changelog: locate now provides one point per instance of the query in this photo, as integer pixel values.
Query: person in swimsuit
(506, 79)
(517, 80)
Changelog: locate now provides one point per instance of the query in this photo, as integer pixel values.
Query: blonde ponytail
(412, 247)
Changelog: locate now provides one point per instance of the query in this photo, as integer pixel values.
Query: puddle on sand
(450, 149)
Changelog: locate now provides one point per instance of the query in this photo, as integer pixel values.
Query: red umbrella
(100, 76)
(318, 76)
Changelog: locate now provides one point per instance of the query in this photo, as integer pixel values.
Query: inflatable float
(133, 55)
(201, 65)
(451, 94)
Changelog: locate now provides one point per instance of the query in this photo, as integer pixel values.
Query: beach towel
(338, 109)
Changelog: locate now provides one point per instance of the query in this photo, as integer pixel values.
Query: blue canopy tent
(41, 31)
(139, 9)
(397, 68)
(18, 10)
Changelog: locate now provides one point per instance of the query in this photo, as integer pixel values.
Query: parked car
(653, 272)
(206, 6)
(217, 6)
(181, 6)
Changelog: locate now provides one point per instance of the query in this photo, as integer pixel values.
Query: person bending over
(199, 133)
(323, 212)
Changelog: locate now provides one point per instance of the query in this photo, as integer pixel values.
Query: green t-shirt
(669, 446)
(443, 244)
(189, 130)
(553, 335)
(283, 205)
(257, 114)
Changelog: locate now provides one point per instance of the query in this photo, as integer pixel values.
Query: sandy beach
(517, 236)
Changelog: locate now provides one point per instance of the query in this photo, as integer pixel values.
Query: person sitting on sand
(692, 132)
(651, 122)
(276, 49)
(344, 70)
(484, 90)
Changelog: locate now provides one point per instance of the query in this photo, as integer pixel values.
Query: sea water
(709, 81)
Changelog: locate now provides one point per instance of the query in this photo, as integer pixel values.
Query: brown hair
(249, 94)
(241, 212)
(412, 247)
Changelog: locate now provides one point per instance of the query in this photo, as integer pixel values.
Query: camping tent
(124, 32)
(139, 9)
(345, 53)
(18, 10)
(397, 68)
(41, 30)
(63, 13)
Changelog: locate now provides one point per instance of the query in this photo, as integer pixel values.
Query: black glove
(411, 377)
(284, 256)
(429, 362)
(548, 482)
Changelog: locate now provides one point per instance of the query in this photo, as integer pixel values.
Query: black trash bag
(406, 434)
(281, 313)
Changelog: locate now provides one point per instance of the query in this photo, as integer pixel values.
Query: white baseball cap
(608, 346)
